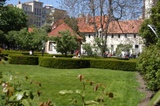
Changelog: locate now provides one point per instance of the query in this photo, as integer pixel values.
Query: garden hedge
(114, 64)
(22, 59)
(87, 63)
(63, 63)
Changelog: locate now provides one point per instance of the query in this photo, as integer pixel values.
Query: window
(50, 46)
(125, 35)
(134, 35)
(112, 36)
(119, 35)
(89, 35)
(112, 46)
(136, 46)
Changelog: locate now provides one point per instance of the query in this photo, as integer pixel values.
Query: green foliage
(99, 100)
(63, 63)
(2, 38)
(31, 40)
(148, 66)
(87, 47)
(47, 28)
(145, 32)
(122, 47)
(2, 2)
(63, 56)
(122, 83)
(72, 22)
(12, 18)
(11, 38)
(113, 64)
(13, 93)
(66, 42)
(20, 59)
(101, 44)
(155, 101)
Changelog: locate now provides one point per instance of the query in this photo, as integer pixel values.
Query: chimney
(87, 18)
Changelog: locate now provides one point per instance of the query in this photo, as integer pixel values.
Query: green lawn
(123, 84)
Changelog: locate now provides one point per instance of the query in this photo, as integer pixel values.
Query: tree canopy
(145, 31)
(2, 2)
(28, 40)
(66, 42)
(12, 18)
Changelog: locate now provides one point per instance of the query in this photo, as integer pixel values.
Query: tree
(88, 49)
(2, 2)
(2, 37)
(59, 14)
(12, 18)
(66, 42)
(31, 40)
(47, 28)
(100, 44)
(146, 32)
(73, 23)
(122, 47)
(10, 37)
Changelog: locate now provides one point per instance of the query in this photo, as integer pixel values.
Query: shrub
(114, 64)
(148, 66)
(63, 63)
(21, 59)
(87, 63)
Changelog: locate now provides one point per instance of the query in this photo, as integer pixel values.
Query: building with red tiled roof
(56, 28)
(118, 32)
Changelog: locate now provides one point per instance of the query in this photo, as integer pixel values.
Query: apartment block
(38, 14)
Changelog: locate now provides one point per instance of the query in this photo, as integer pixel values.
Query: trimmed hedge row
(87, 63)
(21, 59)
(113, 64)
(73, 63)
(63, 63)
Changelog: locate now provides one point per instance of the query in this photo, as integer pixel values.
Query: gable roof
(86, 25)
(62, 26)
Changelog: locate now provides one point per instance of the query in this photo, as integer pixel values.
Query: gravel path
(142, 88)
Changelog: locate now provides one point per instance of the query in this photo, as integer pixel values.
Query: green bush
(60, 55)
(22, 59)
(149, 66)
(113, 64)
(87, 63)
(63, 63)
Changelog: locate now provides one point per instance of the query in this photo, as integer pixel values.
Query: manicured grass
(123, 84)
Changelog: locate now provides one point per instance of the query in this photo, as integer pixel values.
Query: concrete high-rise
(38, 14)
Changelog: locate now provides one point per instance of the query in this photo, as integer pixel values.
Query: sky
(54, 3)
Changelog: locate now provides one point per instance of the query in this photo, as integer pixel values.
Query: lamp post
(43, 47)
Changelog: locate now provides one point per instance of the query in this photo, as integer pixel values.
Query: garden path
(142, 88)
